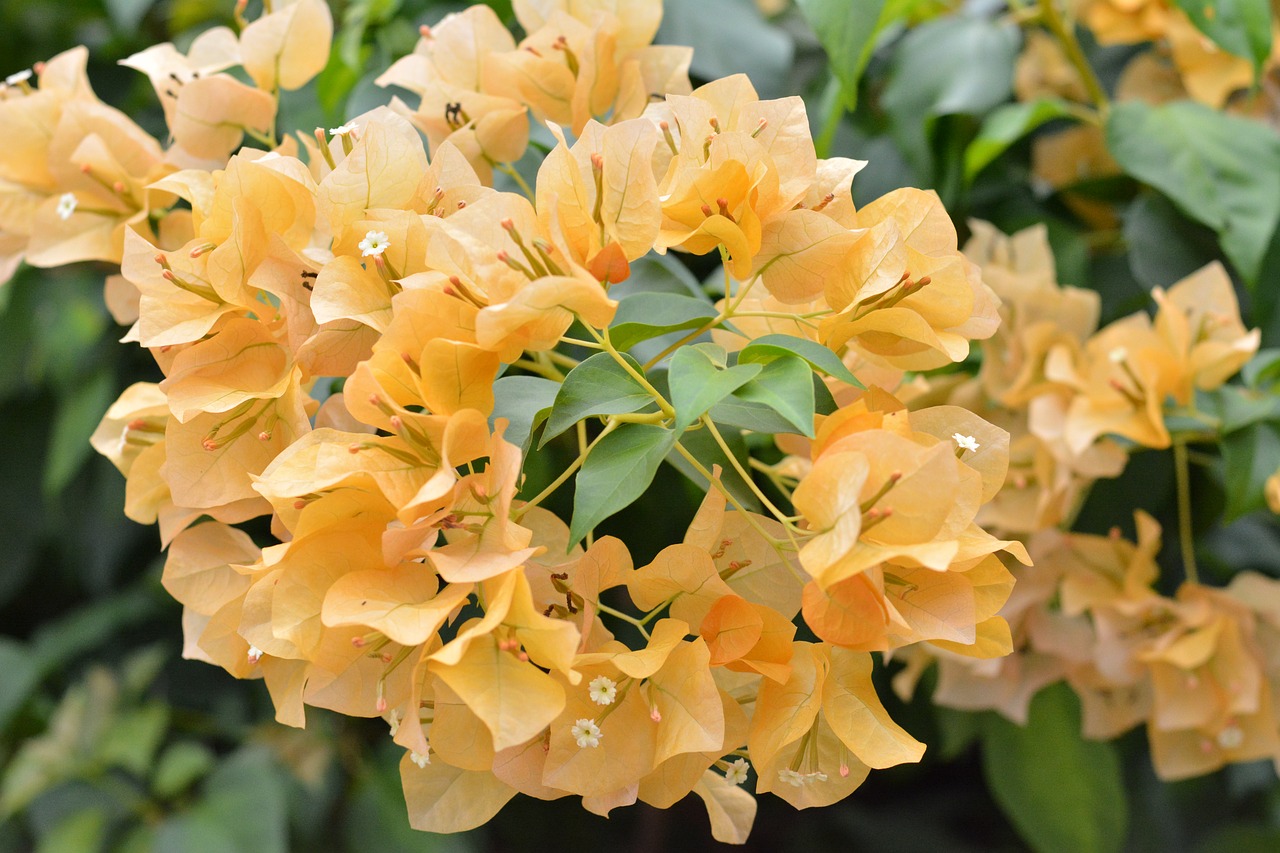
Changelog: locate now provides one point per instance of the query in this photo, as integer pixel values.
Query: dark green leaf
(1237, 407)
(702, 444)
(21, 675)
(1242, 27)
(1006, 125)
(523, 401)
(697, 383)
(243, 810)
(78, 415)
(1249, 457)
(647, 315)
(597, 386)
(1220, 170)
(616, 472)
(1065, 794)
(1163, 245)
(955, 64)
(770, 348)
(848, 34)
(783, 390)
(730, 37)
(1263, 370)
(656, 273)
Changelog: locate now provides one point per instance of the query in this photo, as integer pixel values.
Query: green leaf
(697, 383)
(956, 64)
(1006, 125)
(656, 273)
(730, 37)
(1237, 407)
(80, 832)
(181, 765)
(524, 401)
(616, 472)
(647, 315)
(134, 737)
(770, 348)
(127, 14)
(1064, 794)
(1218, 169)
(597, 386)
(702, 444)
(848, 33)
(1249, 457)
(78, 415)
(785, 388)
(1263, 370)
(243, 810)
(1242, 27)
(21, 675)
(1163, 245)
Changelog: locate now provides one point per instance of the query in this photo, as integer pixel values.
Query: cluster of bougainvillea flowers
(412, 577)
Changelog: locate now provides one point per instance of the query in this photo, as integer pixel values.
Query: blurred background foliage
(109, 741)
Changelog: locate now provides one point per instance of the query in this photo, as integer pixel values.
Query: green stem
(1186, 539)
(567, 473)
(510, 171)
(618, 614)
(1065, 34)
(742, 472)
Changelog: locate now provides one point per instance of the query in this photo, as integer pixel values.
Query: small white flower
(342, 130)
(393, 720)
(736, 772)
(255, 654)
(603, 690)
(66, 206)
(19, 77)
(586, 733)
(1232, 737)
(421, 759)
(819, 776)
(791, 777)
(1118, 355)
(374, 243)
(965, 442)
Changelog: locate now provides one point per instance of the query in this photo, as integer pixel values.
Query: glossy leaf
(697, 383)
(616, 472)
(524, 401)
(769, 348)
(647, 315)
(597, 386)
(1062, 792)
(1220, 170)
(1242, 27)
(1006, 125)
(782, 392)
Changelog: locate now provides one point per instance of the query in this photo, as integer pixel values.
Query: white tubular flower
(66, 206)
(255, 654)
(603, 690)
(18, 77)
(965, 442)
(421, 759)
(791, 777)
(374, 243)
(736, 772)
(586, 733)
(342, 130)
(394, 722)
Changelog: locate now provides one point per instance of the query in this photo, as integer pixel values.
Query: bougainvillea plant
(397, 403)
